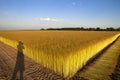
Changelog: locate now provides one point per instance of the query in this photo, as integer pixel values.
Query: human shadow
(19, 66)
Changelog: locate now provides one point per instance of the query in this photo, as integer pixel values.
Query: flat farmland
(64, 52)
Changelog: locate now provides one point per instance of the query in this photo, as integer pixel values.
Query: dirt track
(33, 71)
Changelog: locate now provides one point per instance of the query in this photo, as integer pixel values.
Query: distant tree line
(85, 29)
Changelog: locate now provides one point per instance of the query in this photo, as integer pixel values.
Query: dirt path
(33, 71)
(103, 66)
(116, 74)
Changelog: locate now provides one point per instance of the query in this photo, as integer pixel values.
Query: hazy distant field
(65, 52)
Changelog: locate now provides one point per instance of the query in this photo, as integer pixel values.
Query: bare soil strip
(33, 71)
(116, 74)
(103, 66)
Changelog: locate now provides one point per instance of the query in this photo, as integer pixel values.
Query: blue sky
(36, 14)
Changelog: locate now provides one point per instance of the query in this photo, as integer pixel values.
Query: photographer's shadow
(19, 66)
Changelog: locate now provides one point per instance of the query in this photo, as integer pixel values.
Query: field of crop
(65, 52)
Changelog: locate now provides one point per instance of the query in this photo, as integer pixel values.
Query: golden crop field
(65, 52)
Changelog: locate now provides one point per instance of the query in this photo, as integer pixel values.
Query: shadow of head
(20, 43)
(20, 46)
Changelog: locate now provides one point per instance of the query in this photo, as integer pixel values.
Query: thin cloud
(73, 3)
(48, 19)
